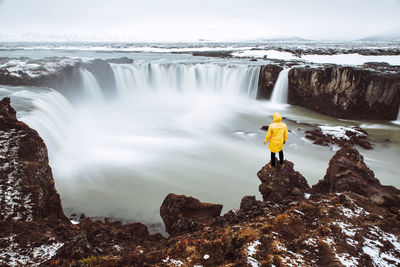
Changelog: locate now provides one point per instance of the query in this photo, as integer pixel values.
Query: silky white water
(280, 91)
(183, 128)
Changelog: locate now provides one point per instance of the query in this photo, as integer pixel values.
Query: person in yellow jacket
(277, 135)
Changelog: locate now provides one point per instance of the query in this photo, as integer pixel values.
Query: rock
(121, 60)
(346, 92)
(264, 128)
(267, 79)
(221, 54)
(182, 214)
(342, 136)
(281, 184)
(249, 203)
(59, 73)
(104, 75)
(33, 227)
(348, 172)
(27, 185)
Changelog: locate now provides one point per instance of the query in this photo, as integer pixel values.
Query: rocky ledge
(60, 73)
(339, 135)
(369, 92)
(347, 219)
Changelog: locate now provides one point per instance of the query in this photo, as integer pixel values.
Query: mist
(178, 20)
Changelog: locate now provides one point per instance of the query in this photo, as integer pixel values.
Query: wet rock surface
(348, 172)
(341, 136)
(346, 92)
(281, 183)
(186, 214)
(33, 227)
(60, 73)
(267, 79)
(347, 219)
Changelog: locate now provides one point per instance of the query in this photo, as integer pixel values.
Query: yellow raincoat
(277, 134)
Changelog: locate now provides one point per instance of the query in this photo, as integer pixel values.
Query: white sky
(180, 20)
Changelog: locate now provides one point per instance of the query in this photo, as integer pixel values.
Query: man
(277, 135)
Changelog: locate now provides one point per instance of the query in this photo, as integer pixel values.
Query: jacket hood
(277, 117)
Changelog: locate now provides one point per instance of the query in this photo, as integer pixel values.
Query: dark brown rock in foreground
(281, 184)
(346, 92)
(348, 172)
(33, 227)
(185, 214)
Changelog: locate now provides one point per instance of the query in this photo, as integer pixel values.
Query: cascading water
(280, 91)
(230, 80)
(90, 85)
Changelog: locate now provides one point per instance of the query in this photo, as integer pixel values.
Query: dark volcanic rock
(221, 54)
(282, 184)
(104, 75)
(121, 60)
(185, 214)
(62, 74)
(267, 79)
(27, 185)
(348, 172)
(346, 92)
(342, 136)
(33, 227)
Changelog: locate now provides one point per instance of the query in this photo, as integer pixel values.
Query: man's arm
(268, 135)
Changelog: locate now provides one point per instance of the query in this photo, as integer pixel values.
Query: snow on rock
(14, 255)
(378, 249)
(251, 251)
(36, 68)
(339, 132)
(171, 262)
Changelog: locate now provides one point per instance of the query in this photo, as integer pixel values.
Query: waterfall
(49, 113)
(90, 85)
(280, 91)
(187, 78)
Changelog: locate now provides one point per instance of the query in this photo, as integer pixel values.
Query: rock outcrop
(346, 92)
(60, 73)
(282, 184)
(33, 227)
(267, 79)
(339, 135)
(347, 219)
(183, 214)
(348, 172)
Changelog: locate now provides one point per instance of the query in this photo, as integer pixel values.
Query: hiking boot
(271, 167)
(283, 166)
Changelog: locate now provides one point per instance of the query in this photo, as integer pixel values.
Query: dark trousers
(280, 158)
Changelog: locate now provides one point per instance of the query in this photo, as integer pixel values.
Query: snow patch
(251, 251)
(170, 261)
(339, 132)
(13, 255)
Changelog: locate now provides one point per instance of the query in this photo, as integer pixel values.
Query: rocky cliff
(62, 74)
(33, 227)
(347, 219)
(267, 79)
(371, 92)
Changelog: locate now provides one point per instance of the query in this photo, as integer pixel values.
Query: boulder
(281, 184)
(348, 172)
(339, 135)
(183, 214)
(267, 79)
(346, 92)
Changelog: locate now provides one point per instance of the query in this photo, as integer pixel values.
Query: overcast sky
(179, 20)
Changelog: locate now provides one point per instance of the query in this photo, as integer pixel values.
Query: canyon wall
(346, 92)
